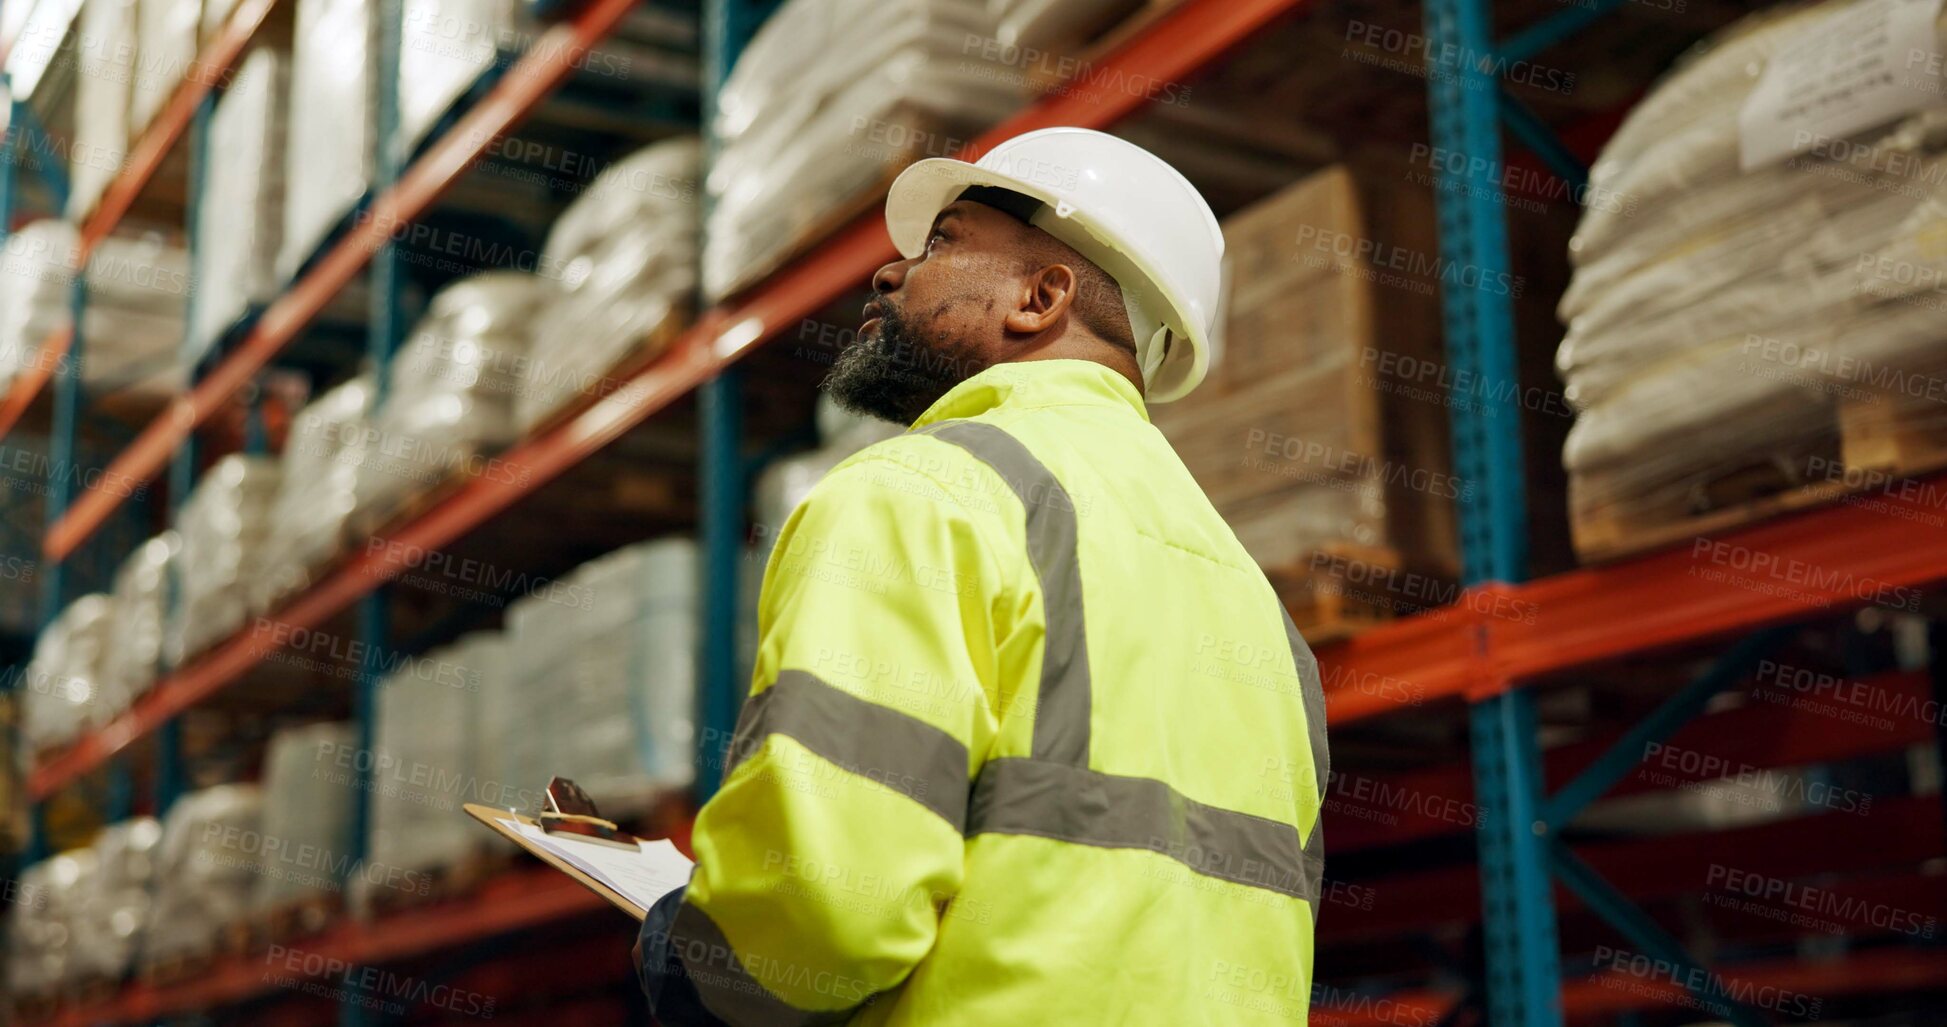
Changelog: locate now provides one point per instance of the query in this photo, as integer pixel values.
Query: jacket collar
(1036, 383)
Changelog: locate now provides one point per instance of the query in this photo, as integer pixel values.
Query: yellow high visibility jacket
(1030, 741)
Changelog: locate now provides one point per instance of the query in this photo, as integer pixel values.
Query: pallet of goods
(1758, 328)
(1314, 437)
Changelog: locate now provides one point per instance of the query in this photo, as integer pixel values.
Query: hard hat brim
(929, 186)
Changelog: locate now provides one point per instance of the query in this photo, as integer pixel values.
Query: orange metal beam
(203, 74)
(1879, 547)
(556, 53)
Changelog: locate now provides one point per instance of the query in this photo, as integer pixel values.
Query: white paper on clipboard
(642, 877)
(1855, 69)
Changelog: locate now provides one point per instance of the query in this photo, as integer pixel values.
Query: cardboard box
(1324, 424)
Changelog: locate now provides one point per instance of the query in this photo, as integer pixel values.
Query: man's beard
(897, 373)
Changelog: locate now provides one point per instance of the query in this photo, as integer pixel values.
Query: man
(1031, 739)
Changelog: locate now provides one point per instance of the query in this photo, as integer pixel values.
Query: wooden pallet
(1876, 442)
(177, 967)
(90, 992)
(34, 1008)
(1346, 588)
(290, 921)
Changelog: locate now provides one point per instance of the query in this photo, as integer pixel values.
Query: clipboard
(492, 817)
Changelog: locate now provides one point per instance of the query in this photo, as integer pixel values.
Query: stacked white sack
(207, 869)
(239, 237)
(64, 693)
(40, 953)
(607, 664)
(165, 47)
(444, 47)
(621, 261)
(142, 588)
(426, 765)
(316, 491)
(804, 136)
(451, 393)
(112, 913)
(137, 293)
(104, 81)
(307, 814)
(1716, 317)
(225, 525)
(330, 160)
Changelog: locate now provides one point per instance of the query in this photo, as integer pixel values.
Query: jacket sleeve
(835, 846)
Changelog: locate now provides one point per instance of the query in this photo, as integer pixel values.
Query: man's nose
(891, 277)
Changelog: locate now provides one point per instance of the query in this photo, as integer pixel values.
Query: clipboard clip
(572, 813)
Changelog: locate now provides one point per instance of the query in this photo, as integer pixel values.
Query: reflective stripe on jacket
(970, 787)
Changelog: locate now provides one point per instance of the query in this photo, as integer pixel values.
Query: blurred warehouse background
(400, 397)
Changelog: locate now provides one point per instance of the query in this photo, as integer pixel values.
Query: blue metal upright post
(386, 326)
(171, 777)
(1523, 964)
(724, 479)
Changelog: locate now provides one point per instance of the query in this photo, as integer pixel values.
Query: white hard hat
(1116, 204)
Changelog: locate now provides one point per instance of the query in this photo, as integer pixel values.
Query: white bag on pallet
(444, 47)
(427, 763)
(104, 82)
(225, 525)
(316, 490)
(206, 870)
(239, 237)
(607, 672)
(334, 105)
(142, 588)
(451, 394)
(805, 137)
(621, 261)
(113, 911)
(65, 693)
(307, 815)
(137, 292)
(40, 930)
(1720, 319)
(165, 44)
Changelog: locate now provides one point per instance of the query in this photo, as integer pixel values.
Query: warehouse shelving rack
(1467, 653)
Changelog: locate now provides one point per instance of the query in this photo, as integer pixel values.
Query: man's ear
(1044, 298)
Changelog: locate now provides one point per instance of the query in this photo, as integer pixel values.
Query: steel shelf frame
(1475, 651)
